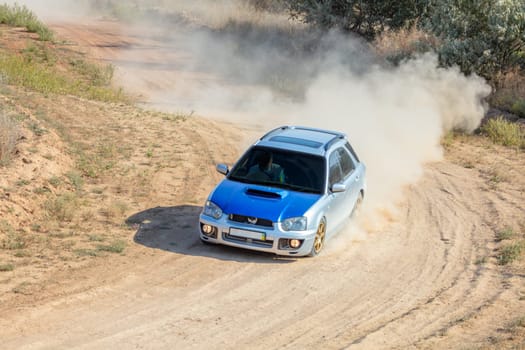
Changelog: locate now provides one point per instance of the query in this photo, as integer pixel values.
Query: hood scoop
(264, 194)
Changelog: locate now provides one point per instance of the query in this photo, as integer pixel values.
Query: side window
(335, 174)
(347, 165)
(351, 150)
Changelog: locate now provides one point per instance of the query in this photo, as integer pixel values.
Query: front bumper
(261, 238)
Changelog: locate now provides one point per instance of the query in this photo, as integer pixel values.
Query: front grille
(257, 242)
(251, 220)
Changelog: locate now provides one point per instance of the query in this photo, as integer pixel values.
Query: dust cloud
(258, 68)
(54, 9)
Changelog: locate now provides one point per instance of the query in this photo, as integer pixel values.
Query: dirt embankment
(429, 278)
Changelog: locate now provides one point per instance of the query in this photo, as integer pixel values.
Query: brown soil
(428, 279)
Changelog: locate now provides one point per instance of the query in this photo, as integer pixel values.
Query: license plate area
(261, 236)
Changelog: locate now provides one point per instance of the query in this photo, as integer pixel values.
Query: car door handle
(357, 178)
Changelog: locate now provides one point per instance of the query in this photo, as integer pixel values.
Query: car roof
(301, 139)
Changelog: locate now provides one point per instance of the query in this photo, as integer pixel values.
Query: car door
(334, 212)
(350, 179)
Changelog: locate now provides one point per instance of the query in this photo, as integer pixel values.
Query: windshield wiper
(294, 187)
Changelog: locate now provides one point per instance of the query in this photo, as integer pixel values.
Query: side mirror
(338, 187)
(222, 168)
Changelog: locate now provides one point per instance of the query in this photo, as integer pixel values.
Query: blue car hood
(271, 203)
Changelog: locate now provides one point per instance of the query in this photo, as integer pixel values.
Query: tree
(482, 36)
(367, 18)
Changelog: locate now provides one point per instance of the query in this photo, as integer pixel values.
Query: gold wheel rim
(319, 237)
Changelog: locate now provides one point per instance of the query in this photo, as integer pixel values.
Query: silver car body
(343, 187)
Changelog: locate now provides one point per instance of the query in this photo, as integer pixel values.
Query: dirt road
(427, 279)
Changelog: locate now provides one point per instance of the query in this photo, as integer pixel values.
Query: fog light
(295, 243)
(207, 229)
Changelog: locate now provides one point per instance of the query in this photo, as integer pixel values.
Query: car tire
(319, 239)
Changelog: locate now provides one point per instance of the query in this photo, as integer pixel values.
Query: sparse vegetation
(86, 252)
(509, 253)
(11, 239)
(75, 179)
(63, 207)
(22, 288)
(481, 260)
(46, 79)
(55, 181)
(96, 74)
(6, 267)
(9, 135)
(94, 164)
(36, 128)
(505, 133)
(96, 238)
(115, 247)
(505, 234)
(115, 210)
(21, 16)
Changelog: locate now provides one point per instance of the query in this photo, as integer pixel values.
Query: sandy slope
(415, 283)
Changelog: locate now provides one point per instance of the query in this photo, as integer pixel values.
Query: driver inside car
(266, 169)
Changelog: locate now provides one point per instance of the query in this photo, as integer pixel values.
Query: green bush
(503, 132)
(21, 16)
(367, 18)
(518, 108)
(483, 36)
(480, 36)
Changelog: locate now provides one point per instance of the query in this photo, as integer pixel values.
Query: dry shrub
(267, 5)
(62, 208)
(512, 80)
(404, 43)
(504, 132)
(115, 211)
(509, 94)
(9, 135)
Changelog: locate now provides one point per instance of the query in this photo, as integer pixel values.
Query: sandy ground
(427, 279)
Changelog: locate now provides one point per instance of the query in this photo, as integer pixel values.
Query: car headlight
(294, 224)
(212, 209)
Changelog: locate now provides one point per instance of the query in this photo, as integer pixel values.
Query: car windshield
(281, 168)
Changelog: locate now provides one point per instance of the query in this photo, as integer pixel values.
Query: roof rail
(335, 133)
(332, 141)
(284, 127)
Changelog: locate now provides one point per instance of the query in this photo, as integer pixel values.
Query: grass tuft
(505, 133)
(76, 180)
(21, 16)
(6, 267)
(42, 78)
(505, 234)
(63, 207)
(510, 253)
(115, 247)
(13, 239)
(86, 252)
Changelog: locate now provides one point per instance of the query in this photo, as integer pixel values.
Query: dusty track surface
(418, 282)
